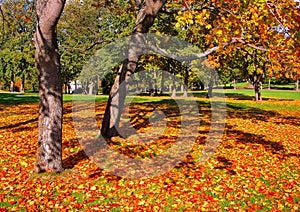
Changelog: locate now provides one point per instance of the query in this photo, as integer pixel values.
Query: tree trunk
(297, 84)
(150, 87)
(144, 21)
(257, 89)
(11, 87)
(66, 88)
(185, 82)
(12, 82)
(173, 86)
(96, 85)
(91, 87)
(269, 84)
(49, 153)
(22, 89)
(234, 84)
(185, 91)
(155, 83)
(33, 87)
(210, 88)
(162, 83)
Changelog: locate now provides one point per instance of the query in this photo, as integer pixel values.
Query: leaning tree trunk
(49, 153)
(144, 21)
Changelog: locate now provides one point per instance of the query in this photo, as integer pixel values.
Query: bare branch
(163, 52)
(97, 43)
(274, 10)
(261, 48)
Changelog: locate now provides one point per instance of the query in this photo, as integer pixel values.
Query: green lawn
(274, 94)
(242, 94)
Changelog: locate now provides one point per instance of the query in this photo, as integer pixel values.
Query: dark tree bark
(12, 82)
(155, 82)
(49, 154)
(257, 88)
(144, 21)
(162, 83)
(234, 84)
(210, 88)
(185, 81)
(256, 82)
(22, 89)
(173, 86)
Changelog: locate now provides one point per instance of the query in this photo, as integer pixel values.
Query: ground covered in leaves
(255, 167)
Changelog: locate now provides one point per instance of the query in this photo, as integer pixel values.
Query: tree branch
(274, 11)
(49, 11)
(163, 52)
(97, 43)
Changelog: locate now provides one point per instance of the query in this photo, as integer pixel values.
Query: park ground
(255, 167)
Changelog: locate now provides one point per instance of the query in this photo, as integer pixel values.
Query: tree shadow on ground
(73, 160)
(18, 127)
(139, 118)
(236, 96)
(16, 98)
(256, 114)
(233, 111)
(225, 164)
(249, 139)
(21, 126)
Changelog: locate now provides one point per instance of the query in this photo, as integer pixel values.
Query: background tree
(258, 25)
(17, 49)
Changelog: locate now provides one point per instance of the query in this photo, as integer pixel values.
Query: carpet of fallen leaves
(256, 165)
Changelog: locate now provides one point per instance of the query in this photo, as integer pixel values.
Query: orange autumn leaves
(256, 166)
(253, 24)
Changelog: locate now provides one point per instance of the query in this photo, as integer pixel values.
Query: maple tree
(101, 23)
(262, 26)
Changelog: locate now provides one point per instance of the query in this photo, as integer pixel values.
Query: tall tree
(145, 19)
(49, 155)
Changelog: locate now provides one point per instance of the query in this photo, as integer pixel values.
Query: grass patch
(248, 94)
(240, 94)
(16, 99)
